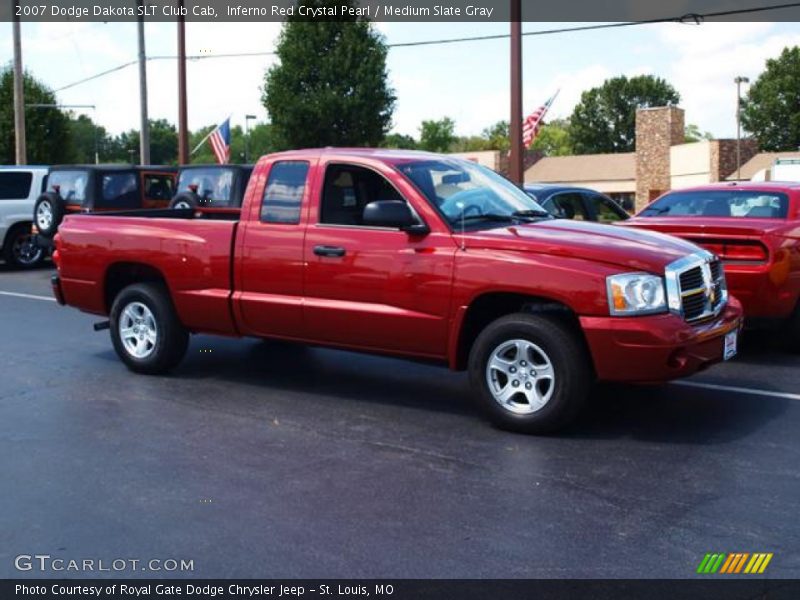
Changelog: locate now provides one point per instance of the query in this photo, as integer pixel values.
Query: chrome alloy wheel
(520, 376)
(138, 330)
(181, 204)
(44, 216)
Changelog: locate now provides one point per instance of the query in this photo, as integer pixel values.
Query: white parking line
(30, 296)
(738, 390)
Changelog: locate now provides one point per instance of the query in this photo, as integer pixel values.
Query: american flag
(533, 122)
(220, 140)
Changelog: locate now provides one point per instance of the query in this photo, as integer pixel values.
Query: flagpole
(203, 141)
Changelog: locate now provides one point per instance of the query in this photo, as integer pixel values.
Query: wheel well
(489, 307)
(12, 229)
(121, 275)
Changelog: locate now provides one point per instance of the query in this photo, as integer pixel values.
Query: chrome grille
(696, 287)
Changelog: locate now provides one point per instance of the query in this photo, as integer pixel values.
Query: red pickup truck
(754, 227)
(407, 254)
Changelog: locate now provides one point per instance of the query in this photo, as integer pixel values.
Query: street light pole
(247, 119)
(144, 127)
(515, 167)
(19, 98)
(739, 80)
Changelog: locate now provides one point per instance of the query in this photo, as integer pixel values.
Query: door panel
(269, 300)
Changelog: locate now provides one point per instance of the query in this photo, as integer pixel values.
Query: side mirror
(392, 213)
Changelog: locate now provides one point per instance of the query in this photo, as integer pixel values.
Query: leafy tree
(163, 144)
(692, 133)
(399, 140)
(497, 136)
(771, 108)
(261, 142)
(330, 85)
(554, 139)
(605, 118)
(46, 129)
(85, 138)
(437, 136)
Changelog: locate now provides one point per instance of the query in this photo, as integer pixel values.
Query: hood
(625, 247)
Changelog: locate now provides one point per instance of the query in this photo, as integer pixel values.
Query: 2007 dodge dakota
(409, 254)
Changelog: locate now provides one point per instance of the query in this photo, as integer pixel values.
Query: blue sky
(468, 82)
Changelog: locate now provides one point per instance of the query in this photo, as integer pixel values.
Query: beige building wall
(690, 164)
(486, 158)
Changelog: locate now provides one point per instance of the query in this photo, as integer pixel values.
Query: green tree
(497, 136)
(399, 140)
(692, 133)
(605, 118)
(163, 144)
(329, 87)
(46, 129)
(437, 136)
(554, 138)
(261, 142)
(771, 108)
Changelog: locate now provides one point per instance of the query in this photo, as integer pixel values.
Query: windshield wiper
(531, 213)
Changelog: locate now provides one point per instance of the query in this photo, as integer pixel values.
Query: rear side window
(71, 185)
(158, 186)
(15, 186)
(606, 211)
(283, 194)
(119, 190)
(748, 204)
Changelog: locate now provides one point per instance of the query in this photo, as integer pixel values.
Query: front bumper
(657, 348)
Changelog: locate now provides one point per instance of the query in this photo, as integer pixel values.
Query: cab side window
(570, 205)
(283, 194)
(348, 189)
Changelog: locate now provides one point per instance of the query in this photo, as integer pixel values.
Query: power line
(695, 18)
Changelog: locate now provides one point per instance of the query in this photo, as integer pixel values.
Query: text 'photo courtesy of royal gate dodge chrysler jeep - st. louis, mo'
(407, 254)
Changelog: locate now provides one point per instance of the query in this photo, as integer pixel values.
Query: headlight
(635, 294)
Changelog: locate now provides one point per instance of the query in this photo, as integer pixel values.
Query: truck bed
(193, 255)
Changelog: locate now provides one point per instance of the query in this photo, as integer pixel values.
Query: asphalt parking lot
(259, 459)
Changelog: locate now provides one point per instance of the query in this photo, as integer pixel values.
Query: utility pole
(183, 127)
(739, 81)
(144, 127)
(19, 97)
(515, 167)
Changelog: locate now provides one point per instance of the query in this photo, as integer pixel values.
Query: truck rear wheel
(531, 373)
(145, 330)
(793, 331)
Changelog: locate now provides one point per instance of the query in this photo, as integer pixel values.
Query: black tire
(171, 339)
(185, 200)
(48, 227)
(793, 331)
(19, 250)
(546, 341)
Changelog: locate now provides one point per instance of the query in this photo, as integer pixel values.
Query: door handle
(333, 251)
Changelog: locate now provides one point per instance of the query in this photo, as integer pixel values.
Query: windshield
(464, 190)
(720, 203)
(211, 184)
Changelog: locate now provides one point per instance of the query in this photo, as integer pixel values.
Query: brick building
(661, 162)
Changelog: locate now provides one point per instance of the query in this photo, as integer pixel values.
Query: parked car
(409, 254)
(580, 204)
(98, 188)
(755, 229)
(19, 188)
(217, 188)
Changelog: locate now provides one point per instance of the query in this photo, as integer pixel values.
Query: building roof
(584, 167)
(762, 160)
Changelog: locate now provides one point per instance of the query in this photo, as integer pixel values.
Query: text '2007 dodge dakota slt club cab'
(407, 254)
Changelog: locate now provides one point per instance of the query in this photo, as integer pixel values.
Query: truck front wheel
(145, 330)
(531, 373)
